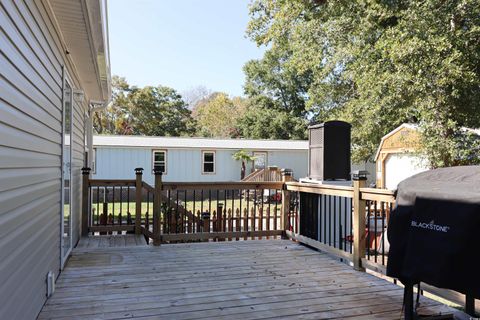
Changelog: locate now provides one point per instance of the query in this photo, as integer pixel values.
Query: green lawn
(196, 206)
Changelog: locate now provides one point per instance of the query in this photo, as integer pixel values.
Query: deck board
(110, 241)
(257, 279)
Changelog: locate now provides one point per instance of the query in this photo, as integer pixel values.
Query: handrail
(148, 187)
(253, 175)
(110, 182)
(322, 189)
(222, 185)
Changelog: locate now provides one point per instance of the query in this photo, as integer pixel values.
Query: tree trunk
(242, 173)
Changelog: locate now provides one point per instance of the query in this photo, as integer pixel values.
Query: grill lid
(433, 231)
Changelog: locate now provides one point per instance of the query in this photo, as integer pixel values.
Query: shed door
(399, 166)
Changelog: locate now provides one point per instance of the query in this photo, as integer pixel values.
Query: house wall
(184, 165)
(30, 155)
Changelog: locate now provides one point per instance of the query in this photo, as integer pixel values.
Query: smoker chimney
(329, 151)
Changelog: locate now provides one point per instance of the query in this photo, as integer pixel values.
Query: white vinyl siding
(30, 156)
(185, 165)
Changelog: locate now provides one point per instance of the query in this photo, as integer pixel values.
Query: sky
(182, 44)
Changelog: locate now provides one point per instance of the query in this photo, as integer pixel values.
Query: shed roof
(201, 143)
(391, 133)
(414, 127)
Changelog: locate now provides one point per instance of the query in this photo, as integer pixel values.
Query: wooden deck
(255, 279)
(110, 241)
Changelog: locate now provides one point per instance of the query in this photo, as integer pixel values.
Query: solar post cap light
(359, 175)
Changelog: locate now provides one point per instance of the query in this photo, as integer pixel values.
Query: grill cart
(434, 233)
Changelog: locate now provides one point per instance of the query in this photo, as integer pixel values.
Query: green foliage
(261, 122)
(156, 111)
(242, 155)
(217, 115)
(375, 64)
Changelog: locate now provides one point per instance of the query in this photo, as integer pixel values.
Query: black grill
(433, 231)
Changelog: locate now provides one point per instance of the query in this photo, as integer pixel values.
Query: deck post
(85, 203)
(157, 204)
(359, 210)
(287, 175)
(138, 200)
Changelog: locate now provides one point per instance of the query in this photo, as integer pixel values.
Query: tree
(114, 119)
(244, 157)
(217, 115)
(194, 95)
(263, 121)
(378, 64)
(158, 111)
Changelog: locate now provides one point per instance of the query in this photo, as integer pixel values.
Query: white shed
(192, 159)
(397, 157)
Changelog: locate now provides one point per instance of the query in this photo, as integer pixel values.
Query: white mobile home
(54, 72)
(192, 159)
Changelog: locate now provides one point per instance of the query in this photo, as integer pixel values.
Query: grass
(196, 206)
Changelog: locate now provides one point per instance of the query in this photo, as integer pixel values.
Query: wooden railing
(272, 173)
(179, 212)
(351, 223)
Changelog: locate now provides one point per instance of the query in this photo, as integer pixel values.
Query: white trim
(214, 162)
(94, 160)
(403, 125)
(64, 256)
(198, 143)
(165, 157)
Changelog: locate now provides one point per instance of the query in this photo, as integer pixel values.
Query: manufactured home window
(160, 160)
(208, 162)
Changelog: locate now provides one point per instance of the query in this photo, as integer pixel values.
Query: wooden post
(85, 201)
(286, 177)
(157, 204)
(138, 200)
(359, 210)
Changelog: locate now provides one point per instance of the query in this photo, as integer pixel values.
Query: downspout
(94, 106)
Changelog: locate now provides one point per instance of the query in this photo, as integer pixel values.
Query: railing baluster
(345, 223)
(334, 225)
(382, 204)
(368, 229)
(375, 232)
(245, 222)
(254, 221)
(275, 216)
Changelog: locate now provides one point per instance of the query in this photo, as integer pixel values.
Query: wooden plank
(220, 235)
(217, 280)
(111, 228)
(320, 246)
(446, 294)
(111, 182)
(377, 195)
(222, 185)
(332, 190)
